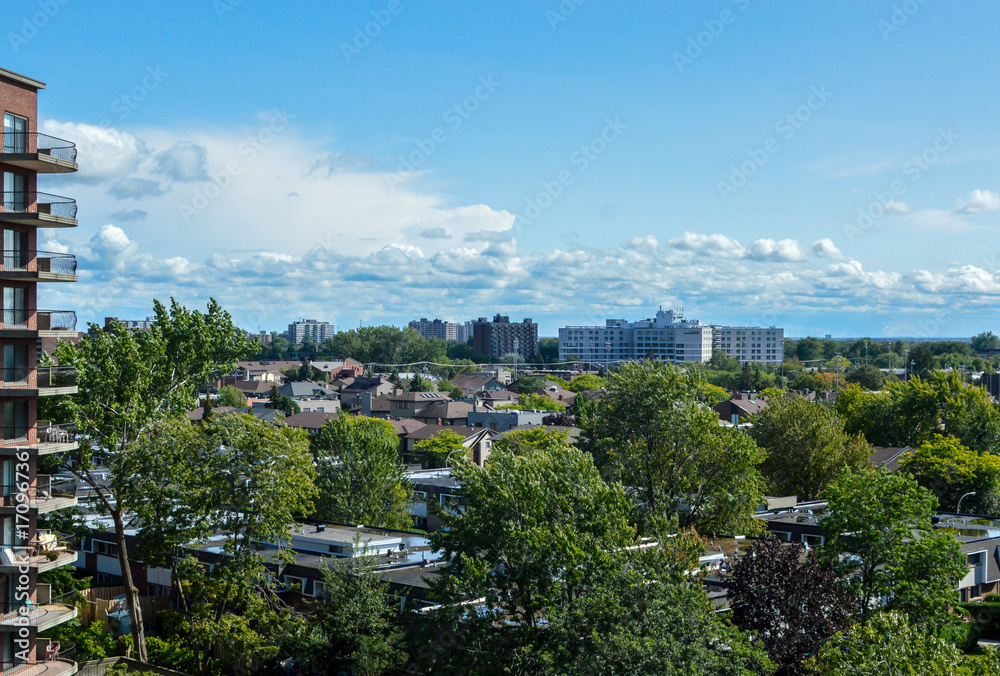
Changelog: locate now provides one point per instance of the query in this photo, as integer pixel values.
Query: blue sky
(569, 161)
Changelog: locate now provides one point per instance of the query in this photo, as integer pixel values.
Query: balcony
(45, 439)
(47, 551)
(38, 209)
(38, 152)
(51, 658)
(42, 614)
(38, 266)
(25, 323)
(44, 381)
(45, 494)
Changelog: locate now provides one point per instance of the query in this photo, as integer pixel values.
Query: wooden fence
(101, 599)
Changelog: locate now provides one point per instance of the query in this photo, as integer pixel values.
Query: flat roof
(23, 79)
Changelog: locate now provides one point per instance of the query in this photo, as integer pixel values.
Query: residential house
(445, 413)
(502, 421)
(409, 404)
(344, 368)
(739, 407)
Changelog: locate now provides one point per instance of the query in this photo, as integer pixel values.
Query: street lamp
(958, 509)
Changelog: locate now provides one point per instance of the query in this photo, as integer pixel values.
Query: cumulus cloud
(135, 189)
(435, 233)
(341, 161)
(705, 244)
(129, 215)
(110, 248)
(104, 153)
(979, 202)
(897, 207)
(643, 243)
(184, 161)
(825, 248)
(777, 250)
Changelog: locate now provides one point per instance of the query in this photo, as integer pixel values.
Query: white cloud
(643, 243)
(707, 244)
(825, 248)
(103, 153)
(184, 161)
(777, 250)
(896, 207)
(978, 202)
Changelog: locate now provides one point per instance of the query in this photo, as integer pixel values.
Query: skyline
(564, 161)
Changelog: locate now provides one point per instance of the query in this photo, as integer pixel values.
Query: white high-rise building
(316, 330)
(671, 338)
(667, 337)
(750, 343)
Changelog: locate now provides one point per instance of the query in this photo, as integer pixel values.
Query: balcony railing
(45, 488)
(46, 547)
(15, 436)
(31, 142)
(45, 320)
(38, 203)
(46, 261)
(19, 377)
(43, 610)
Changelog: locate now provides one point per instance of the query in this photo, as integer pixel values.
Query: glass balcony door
(15, 363)
(15, 134)
(15, 192)
(15, 420)
(15, 250)
(15, 309)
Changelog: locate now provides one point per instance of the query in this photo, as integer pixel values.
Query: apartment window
(106, 548)
(813, 540)
(420, 496)
(294, 583)
(15, 363)
(15, 419)
(321, 590)
(15, 191)
(15, 306)
(15, 133)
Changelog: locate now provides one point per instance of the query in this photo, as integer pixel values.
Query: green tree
(230, 396)
(534, 402)
(806, 446)
(985, 341)
(356, 626)
(890, 645)
(419, 384)
(536, 528)
(875, 518)
(128, 382)
(809, 349)
(436, 450)
(867, 376)
(259, 477)
(586, 381)
(721, 361)
(282, 402)
(910, 413)
(650, 433)
(528, 384)
(521, 441)
(548, 348)
(360, 477)
(950, 470)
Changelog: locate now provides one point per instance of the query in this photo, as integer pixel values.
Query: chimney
(440, 422)
(321, 528)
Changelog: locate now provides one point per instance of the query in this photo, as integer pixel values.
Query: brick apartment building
(26, 606)
(501, 337)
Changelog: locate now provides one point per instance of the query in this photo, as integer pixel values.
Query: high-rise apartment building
(27, 606)
(316, 330)
(437, 328)
(667, 337)
(750, 343)
(501, 336)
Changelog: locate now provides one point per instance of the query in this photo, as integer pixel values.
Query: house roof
(472, 383)
(380, 404)
(430, 431)
(305, 388)
(419, 396)
(312, 420)
(253, 386)
(446, 410)
(888, 456)
(744, 406)
(198, 413)
(407, 426)
(330, 366)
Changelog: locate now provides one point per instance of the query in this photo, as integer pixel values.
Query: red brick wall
(19, 99)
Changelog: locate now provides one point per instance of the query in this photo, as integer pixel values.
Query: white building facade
(751, 343)
(668, 337)
(316, 330)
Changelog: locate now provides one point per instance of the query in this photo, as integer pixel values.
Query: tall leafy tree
(360, 476)
(651, 433)
(911, 412)
(987, 340)
(867, 376)
(231, 396)
(259, 478)
(890, 645)
(355, 628)
(536, 530)
(874, 529)
(950, 470)
(806, 446)
(790, 604)
(128, 382)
